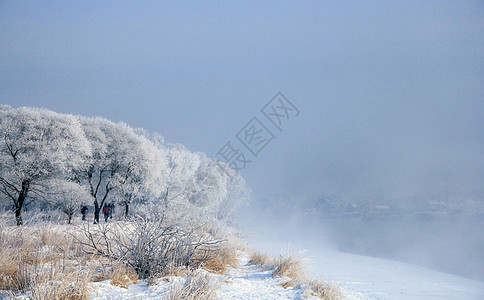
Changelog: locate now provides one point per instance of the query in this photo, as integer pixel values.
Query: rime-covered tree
(199, 185)
(120, 162)
(144, 176)
(216, 189)
(237, 194)
(68, 196)
(181, 166)
(36, 145)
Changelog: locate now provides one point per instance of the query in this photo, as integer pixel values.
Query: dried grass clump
(257, 258)
(38, 260)
(14, 273)
(290, 267)
(222, 259)
(123, 276)
(198, 285)
(17, 256)
(60, 286)
(322, 290)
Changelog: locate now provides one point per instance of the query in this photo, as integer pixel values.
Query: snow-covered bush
(39, 261)
(224, 257)
(150, 246)
(123, 276)
(58, 285)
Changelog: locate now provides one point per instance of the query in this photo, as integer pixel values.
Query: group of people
(108, 211)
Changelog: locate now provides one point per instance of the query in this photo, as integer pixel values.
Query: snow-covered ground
(387, 279)
(365, 277)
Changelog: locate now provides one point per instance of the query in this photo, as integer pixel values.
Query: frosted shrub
(149, 245)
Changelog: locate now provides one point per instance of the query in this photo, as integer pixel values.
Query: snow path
(251, 282)
(105, 291)
(244, 282)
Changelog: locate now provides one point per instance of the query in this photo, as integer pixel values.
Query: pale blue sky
(390, 93)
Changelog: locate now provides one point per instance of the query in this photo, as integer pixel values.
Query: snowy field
(365, 277)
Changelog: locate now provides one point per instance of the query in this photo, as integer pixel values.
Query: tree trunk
(98, 206)
(18, 216)
(69, 220)
(20, 202)
(126, 209)
(96, 212)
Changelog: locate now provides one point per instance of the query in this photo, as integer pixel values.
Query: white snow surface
(363, 277)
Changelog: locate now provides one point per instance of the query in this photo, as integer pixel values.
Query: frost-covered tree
(207, 186)
(144, 178)
(68, 196)
(200, 185)
(181, 167)
(119, 164)
(237, 193)
(216, 189)
(36, 145)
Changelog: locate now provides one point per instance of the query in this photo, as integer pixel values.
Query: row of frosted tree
(69, 161)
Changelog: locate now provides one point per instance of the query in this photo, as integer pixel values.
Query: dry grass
(61, 286)
(257, 258)
(14, 273)
(322, 290)
(290, 268)
(40, 261)
(222, 259)
(123, 276)
(198, 285)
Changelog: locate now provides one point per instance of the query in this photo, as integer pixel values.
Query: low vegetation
(46, 261)
(43, 262)
(290, 269)
(61, 261)
(322, 290)
(197, 285)
(262, 259)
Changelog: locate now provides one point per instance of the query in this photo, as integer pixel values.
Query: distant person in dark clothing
(106, 212)
(84, 212)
